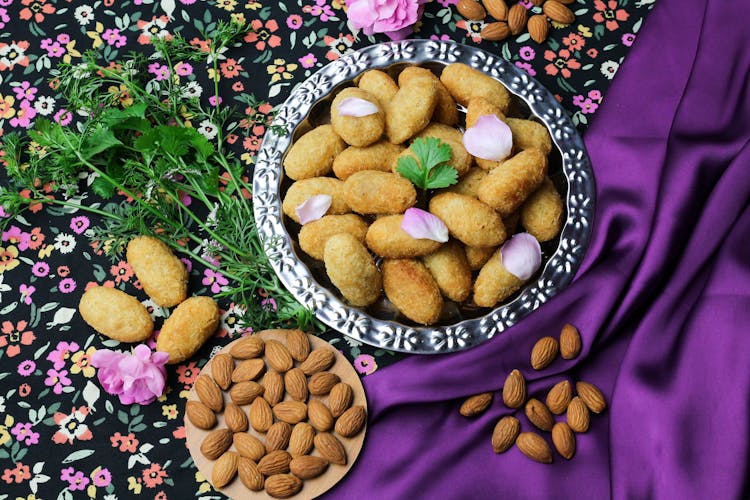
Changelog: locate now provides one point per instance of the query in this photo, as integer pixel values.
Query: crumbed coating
(411, 288)
(313, 235)
(505, 188)
(386, 238)
(461, 160)
(479, 106)
(542, 212)
(115, 314)
(358, 130)
(528, 134)
(379, 84)
(494, 283)
(374, 192)
(378, 156)
(301, 191)
(410, 110)
(468, 219)
(476, 257)
(352, 269)
(446, 111)
(312, 154)
(449, 267)
(163, 276)
(465, 82)
(469, 183)
(189, 326)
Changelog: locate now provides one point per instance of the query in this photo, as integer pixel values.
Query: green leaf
(431, 151)
(442, 176)
(100, 140)
(103, 188)
(428, 168)
(409, 168)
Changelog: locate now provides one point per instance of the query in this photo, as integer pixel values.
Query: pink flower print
(57, 380)
(215, 279)
(26, 292)
(76, 480)
(25, 114)
(609, 14)
(71, 426)
(628, 39)
(526, 53)
(113, 37)
(528, 68)
(101, 477)
(63, 38)
(4, 18)
(16, 237)
(40, 269)
(26, 367)
(79, 224)
(595, 95)
(63, 117)
(24, 434)
(561, 63)
(308, 61)
(183, 69)
(25, 91)
(67, 285)
(294, 21)
(161, 71)
(320, 9)
(588, 106)
(14, 336)
(62, 353)
(365, 364)
(441, 37)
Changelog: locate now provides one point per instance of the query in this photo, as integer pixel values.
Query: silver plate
(572, 173)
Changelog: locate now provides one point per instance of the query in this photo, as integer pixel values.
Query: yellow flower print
(82, 363)
(248, 158)
(227, 5)
(214, 75)
(253, 5)
(584, 31)
(280, 70)
(120, 95)
(238, 18)
(30, 496)
(96, 35)
(6, 106)
(135, 485)
(8, 258)
(169, 411)
(4, 434)
(204, 485)
(70, 52)
(45, 251)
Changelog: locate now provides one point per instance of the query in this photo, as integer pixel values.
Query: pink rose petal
(354, 106)
(490, 138)
(134, 378)
(521, 255)
(313, 208)
(423, 225)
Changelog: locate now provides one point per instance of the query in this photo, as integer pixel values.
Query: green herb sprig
(428, 167)
(136, 142)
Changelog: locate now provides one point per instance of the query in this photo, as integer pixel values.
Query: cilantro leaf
(103, 188)
(100, 140)
(427, 167)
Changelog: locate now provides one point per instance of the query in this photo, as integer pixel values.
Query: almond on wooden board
(278, 356)
(275, 462)
(320, 359)
(200, 415)
(247, 347)
(295, 382)
(351, 422)
(476, 404)
(225, 469)
(301, 440)
(330, 448)
(538, 27)
(248, 369)
(558, 12)
(564, 440)
(514, 390)
(222, 366)
(319, 416)
(298, 344)
(340, 398)
(308, 467)
(517, 16)
(497, 9)
(235, 418)
(209, 393)
(290, 412)
(535, 447)
(471, 9)
(248, 446)
(578, 415)
(570, 342)
(559, 397)
(592, 396)
(216, 443)
(243, 393)
(283, 485)
(277, 437)
(273, 385)
(494, 32)
(261, 415)
(249, 474)
(505, 433)
(544, 352)
(322, 382)
(539, 415)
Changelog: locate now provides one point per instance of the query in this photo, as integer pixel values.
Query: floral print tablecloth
(61, 436)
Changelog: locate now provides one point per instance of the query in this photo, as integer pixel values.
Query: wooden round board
(311, 488)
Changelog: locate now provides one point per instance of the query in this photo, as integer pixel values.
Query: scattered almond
(319, 360)
(497, 9)
(261, 415)
(558, 12)
(248, 446)
(216, 443)
(330, 448)
(538, 28)
(559, 397)
(544, 352)
(278, 356)
(295, 382)
(340, 398)
(273, 383)
(209, 393)
(471, 9)
(476, 404)
(535, 447)
(505, 433)
(351, 422)
(570, 342)
(539, 415)
(235, 418)
(298, 344)
(277, 437)
(200, 415)
(290, 412)
(319, 416)
(222, 366)
(275, 462)
(308, 467)
(578, 415)
(243, 393)
(225, 469)
(514, 390)
(517, 16)
(247, 347)
(592, 396)
(322, 382)
(283, 485)
(564, 440)
(249, 474)
(301, 440)
(248, 369)
(494, 32)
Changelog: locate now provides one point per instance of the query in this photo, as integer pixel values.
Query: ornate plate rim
(558, 271)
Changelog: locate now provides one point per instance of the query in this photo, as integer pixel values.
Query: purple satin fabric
(662, 301)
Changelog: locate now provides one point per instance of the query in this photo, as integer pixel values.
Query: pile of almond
(560, 400)
(515, 19)
(285, 417)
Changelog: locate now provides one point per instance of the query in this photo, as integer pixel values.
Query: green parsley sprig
(428, 167)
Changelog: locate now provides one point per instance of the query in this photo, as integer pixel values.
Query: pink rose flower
(392, 17)
(135, 378)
